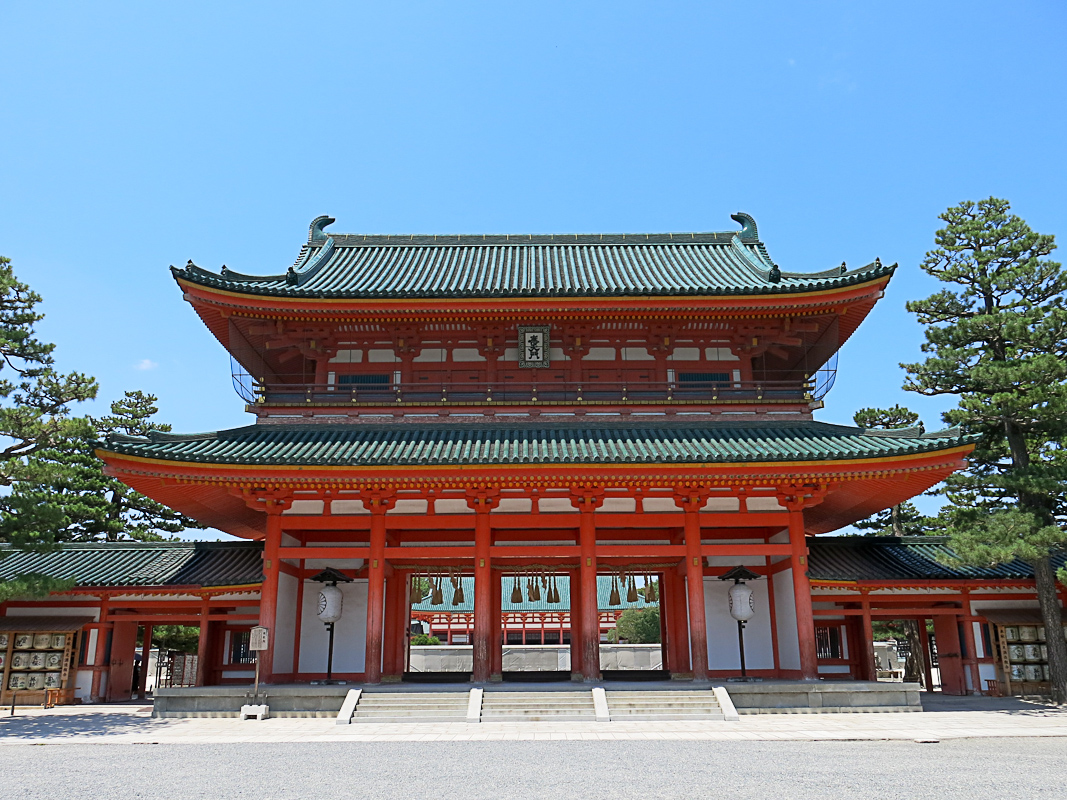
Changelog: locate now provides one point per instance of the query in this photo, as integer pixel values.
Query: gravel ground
(502, 770)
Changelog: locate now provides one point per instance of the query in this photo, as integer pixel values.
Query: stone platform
(768, 697)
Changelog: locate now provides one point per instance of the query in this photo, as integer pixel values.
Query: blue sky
(134, 136)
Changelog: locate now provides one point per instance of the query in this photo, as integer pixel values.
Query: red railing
(514, 393)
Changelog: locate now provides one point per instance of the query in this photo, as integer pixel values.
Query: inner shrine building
(499, 409)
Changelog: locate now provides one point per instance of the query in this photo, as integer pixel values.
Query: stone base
(776, 697)
(226, 701)
(768, 697)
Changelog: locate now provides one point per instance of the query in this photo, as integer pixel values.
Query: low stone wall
(534, 657)
(226, 701)
(774, 697)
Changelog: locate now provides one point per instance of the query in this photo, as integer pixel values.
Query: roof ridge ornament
(315, 230)
(748, 233)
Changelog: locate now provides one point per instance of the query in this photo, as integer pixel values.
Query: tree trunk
(1052, 616)
(915, 666)
(894, 515)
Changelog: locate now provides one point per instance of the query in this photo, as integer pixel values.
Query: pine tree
(96, 506)
(996, 338)
(35, 414)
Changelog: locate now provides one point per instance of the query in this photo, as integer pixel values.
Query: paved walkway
(944, 718)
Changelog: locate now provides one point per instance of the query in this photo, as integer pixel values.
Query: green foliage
(886, 418)
(70, 478)
(637, 626)
(983, 539)
(903, 519)
(424, 639)
(179, 638)
(32, 584)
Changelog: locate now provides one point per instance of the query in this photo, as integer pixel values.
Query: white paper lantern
(330, 601)
(742, 606)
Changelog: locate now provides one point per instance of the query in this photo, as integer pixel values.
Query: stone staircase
(412, 707)
(537, 706)
(623, 706)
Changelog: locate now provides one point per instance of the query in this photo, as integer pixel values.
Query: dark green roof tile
(143, 564)
(421, 444)
(571, 265)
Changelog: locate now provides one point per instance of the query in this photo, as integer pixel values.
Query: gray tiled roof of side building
(552, 265)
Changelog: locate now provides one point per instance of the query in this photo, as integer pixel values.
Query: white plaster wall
(304, 507)
(722, 628)
(285, 623)
(83, 684)
(350, 632)
(785, 617)
(619, 505)
(90, 648)
(979, 645)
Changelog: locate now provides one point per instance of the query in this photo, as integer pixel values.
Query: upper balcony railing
(534, 394)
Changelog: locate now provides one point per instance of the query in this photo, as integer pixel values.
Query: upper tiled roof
(888, 558)
(203, 564)
(575, 265)
(419, 444)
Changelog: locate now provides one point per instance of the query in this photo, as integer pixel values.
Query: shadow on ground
(60, 726)
(1015, 706)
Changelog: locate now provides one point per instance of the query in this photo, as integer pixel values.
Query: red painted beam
(888, 613)
(746, 549)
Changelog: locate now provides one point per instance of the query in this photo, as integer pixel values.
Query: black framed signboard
(533, 347)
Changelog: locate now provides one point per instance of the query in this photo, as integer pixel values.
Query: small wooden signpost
(258, 641)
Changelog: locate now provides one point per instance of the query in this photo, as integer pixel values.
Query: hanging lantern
(516, 592)
(631, 593)
(613, 598)
(330, 603)
(742, 606)
(457, 596)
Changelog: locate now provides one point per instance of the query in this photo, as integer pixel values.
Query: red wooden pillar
(575, 615)
(268, 601)
(590, 614)
(868, 668)
(375, 589)
(496, 628)
(809, 662)
(694, 584)
(146, 651)
(100, 666)
(203, 648)
(972, 651)
(483, 589)
(393, 590)
(673, 601)
(947, 636)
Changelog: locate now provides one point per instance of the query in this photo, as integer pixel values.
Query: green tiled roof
(855, 558)
(575, 265)
(145, 564)
(419, 444)
(563, 584)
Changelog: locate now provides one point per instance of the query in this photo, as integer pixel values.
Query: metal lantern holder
(741, 611)
(330, 577)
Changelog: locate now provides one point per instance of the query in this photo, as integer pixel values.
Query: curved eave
(210, 492)
(216, 307)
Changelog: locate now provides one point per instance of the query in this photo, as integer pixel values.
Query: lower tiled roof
(420, 444)
(888, 558)
(155, 564)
